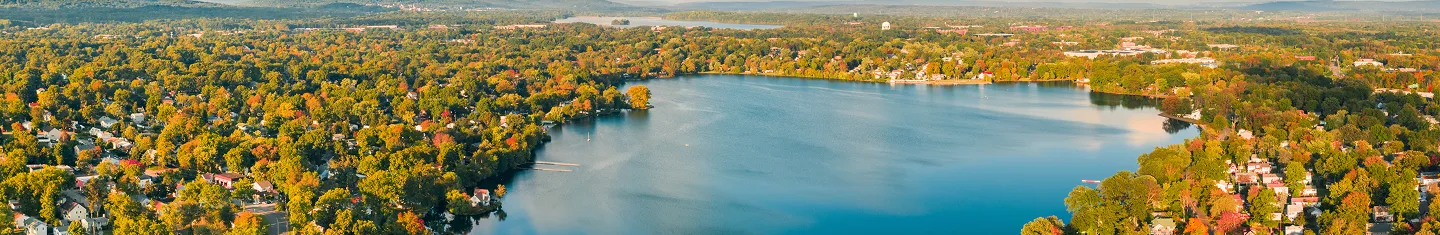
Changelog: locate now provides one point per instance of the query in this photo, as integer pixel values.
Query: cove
(731, 154)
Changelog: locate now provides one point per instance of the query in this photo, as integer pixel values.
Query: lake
(729, 154)
(657, 21)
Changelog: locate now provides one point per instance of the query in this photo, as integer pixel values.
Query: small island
(620, 22)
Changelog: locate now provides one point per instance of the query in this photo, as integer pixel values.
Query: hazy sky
(961, 1)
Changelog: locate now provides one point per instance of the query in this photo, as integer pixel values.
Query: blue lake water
(656, 21)
(728, 154)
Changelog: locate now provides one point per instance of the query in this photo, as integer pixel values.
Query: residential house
(263, 186)
(226, 179)
(1378, 228)
(1258, 167)
(1293, 210)
(1294, 230)
(137, 118)
(1305, 201)
(1429, 177)
(1246, 179)
(1224, 185)
(1243, 133)
(51, 136)
(1162, 226)
(1382, 214)
(1271, 178)
(85, 145)
(107, 122)
(95, 225)
(1309, 191)
(74, 212)
(481, 197)
(31, 226)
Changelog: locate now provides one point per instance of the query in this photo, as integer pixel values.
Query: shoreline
(918, 82)
(942, 82)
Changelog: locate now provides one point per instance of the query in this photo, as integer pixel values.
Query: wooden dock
(547, 169)
(1178, 117)
(555, 163)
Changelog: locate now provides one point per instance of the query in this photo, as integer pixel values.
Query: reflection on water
(723, 154)
(1123, 101)
(1173, 126)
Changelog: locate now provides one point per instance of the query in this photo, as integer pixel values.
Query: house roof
(1167, 222)
(70, 206)
(228, 176)
(265, 185)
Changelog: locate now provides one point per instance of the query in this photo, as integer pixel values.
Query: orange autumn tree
(1196, 227)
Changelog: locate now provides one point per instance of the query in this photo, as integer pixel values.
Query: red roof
(1275, 184)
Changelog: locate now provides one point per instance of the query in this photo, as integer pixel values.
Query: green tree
(1044, 226)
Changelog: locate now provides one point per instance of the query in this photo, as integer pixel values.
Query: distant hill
(513, 4)
(742, 6)
(102, 3)
(1413, 6)
(1369, 5)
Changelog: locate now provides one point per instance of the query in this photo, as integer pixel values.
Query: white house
(1294, 230)
(50, 136)
(1293, 210)
(885, 26)
(74, 212)
(107, 122)
(31, 226)
(481, 197)
(1162, 226)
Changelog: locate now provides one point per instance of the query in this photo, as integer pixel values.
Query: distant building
(521, 26)
(994, 34)
(1207, 62)
(1097, 53)
(1223, 46)
(1367, 62)
(1064, 43)
(1030, 28)
(885, 26)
